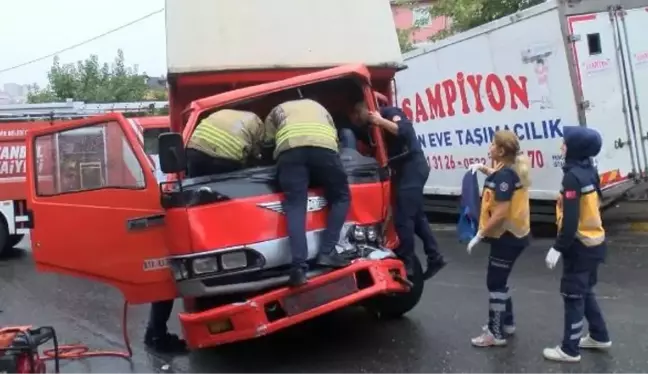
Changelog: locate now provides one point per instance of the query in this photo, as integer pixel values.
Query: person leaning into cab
(306, 148)
(504, 223)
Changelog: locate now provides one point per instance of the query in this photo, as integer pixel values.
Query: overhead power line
(81, 43)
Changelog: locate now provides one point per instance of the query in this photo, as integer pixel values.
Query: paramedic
(306, 147)
(410, 174)
(226, 141)
(581, 242)
(504, 222)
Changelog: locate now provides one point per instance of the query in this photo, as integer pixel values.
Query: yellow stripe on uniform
(305, 129)
(231, 146)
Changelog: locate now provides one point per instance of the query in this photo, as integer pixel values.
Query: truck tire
(395, 305)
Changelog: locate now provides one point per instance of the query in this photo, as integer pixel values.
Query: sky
(30, 29)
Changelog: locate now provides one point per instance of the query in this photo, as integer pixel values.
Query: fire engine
(15, 120)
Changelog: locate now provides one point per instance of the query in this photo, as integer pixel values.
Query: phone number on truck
(449, 162)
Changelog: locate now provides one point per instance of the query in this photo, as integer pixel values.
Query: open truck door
(96, 209)
(606, 88)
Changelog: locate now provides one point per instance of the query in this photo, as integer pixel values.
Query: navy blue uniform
(581, 239)
(411, 171)
(505, 248)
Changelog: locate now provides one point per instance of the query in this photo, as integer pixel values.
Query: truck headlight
(364, 234)
(233, 260)
(372, 233)
(359, 233)
(205, 265)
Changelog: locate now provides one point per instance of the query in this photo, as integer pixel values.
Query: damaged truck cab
(219, 242)
(234, 259)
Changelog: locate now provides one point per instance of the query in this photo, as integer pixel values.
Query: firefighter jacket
(504, 185)
(578, 215)
(300, 123)
(229, 134)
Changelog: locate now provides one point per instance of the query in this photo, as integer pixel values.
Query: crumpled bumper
(284, 307)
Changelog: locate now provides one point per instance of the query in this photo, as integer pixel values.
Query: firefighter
(581, 242)
(306, 147)
(227, 140)
(157, 336)
(411, 171)
(504, 222)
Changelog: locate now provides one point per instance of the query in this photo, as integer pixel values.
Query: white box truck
(556, 64)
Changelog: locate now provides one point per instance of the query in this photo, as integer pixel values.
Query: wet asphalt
(434, 337)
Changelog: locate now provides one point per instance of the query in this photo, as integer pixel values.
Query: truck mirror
(172, 153)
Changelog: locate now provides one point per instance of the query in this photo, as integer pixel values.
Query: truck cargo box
(553, 65)
(218, 35)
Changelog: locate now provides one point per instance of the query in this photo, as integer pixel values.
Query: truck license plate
(311, 299)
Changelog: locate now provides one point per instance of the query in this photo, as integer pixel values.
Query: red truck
(219, 242)
(14, 220)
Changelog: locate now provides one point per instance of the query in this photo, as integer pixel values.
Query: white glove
(552, 258)
(475, 167)
(474, 241)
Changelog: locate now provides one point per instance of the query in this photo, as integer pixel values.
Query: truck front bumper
(285, 306)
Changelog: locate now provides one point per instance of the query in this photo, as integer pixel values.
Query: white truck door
(631, 25)
(605, 95)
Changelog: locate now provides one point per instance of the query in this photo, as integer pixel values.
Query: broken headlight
(365, 234)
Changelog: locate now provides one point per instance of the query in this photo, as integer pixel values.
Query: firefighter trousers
(296, 168)
(200, 164)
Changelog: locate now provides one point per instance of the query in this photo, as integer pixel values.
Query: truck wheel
(396, 305)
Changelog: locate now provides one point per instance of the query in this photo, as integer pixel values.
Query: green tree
(467, 14)
(90, 81)
(404, 41)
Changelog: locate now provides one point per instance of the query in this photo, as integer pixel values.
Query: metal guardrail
(72, 110)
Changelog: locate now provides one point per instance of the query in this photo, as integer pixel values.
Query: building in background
(408, 16)
(13, 93)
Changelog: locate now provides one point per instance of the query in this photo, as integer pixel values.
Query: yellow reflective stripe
(302, 129)
(226, 142)
(219, 142)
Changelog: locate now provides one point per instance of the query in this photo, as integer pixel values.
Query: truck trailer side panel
(611, 79)
(512, 73)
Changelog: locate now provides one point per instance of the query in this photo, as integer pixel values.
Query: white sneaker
(487, 339)
(557, 354)
(507, 329)
(589, 343)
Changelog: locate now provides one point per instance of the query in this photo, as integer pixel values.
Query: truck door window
(151, 140)
(87, 158)
(594, 44)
